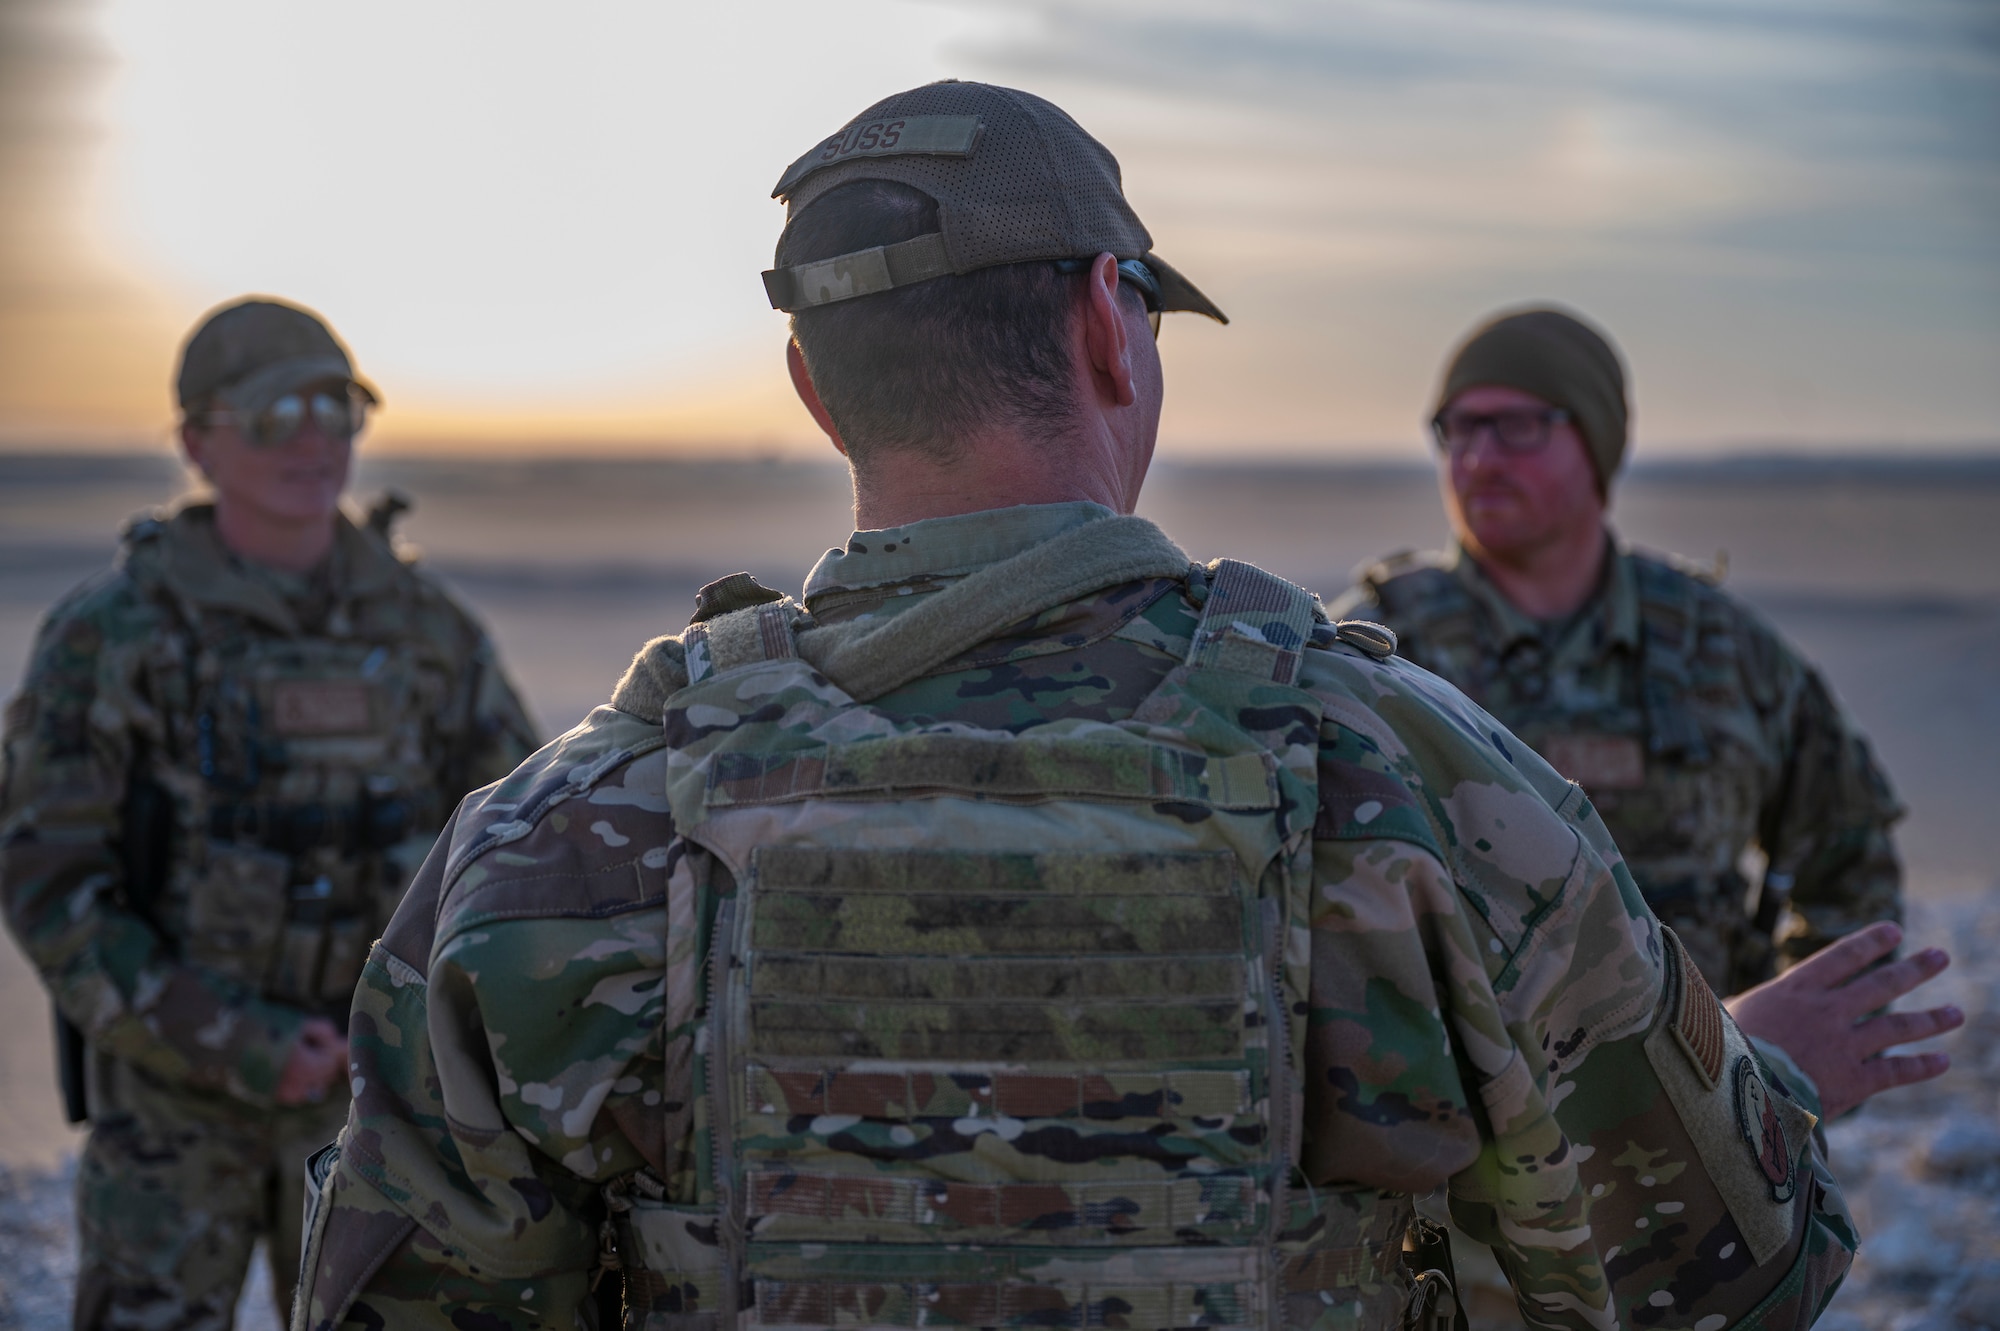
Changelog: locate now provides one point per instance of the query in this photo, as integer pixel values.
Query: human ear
(193, 445)
(1107, 339)
(802, 384)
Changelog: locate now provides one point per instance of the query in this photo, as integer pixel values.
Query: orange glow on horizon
(540, 230)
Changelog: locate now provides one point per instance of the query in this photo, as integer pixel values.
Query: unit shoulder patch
(1742, 1126)
(1763, 1131)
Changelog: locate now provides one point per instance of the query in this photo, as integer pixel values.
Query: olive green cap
(256, 350)
(1015, 180)
(1559, 358)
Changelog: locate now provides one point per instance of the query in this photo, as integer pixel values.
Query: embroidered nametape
(320, 707)
(936, 136)
(1598, 762)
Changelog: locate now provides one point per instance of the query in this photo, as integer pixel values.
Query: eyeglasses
(1129, 270)
(339, 415)
(1518, 431)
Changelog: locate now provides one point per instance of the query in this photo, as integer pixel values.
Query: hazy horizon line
(1979, 454)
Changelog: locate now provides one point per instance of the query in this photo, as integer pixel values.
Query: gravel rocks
(1921, 1166)
(1967, 1147)
(38, 1268)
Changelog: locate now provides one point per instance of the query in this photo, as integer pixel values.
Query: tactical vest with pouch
(303, 792)
(1003, 1029)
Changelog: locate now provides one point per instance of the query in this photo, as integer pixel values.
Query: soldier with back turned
(229, 755)
(1032, 927)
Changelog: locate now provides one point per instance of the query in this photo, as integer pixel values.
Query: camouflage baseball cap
(256, 351)
(1015, 180)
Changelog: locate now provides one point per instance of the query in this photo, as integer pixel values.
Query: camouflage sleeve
(69, 746)
(509, 1038)
(1825, 831)
(1492, 1006)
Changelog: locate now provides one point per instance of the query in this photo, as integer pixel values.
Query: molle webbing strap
(910, 1095)
(1180, 1294)
(1254, 623)
(869, 659)
(862, 273)
(989, 1211)
(1140, 1300)
(997, 768)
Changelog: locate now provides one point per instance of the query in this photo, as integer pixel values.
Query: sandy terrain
(1888, 575)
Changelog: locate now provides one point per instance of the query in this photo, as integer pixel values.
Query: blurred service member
(1033, 928)
(1697, 731)
(231, 752)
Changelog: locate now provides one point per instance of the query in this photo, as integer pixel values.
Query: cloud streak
(1789, 211)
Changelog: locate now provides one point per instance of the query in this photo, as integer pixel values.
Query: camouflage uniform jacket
(1486, 999)
(1698, 732)
(138, 681)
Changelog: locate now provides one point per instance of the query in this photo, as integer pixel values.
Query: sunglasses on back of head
(1129, 270)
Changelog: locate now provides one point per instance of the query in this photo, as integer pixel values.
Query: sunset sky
(542, 225)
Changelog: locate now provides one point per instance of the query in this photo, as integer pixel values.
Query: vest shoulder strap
(1253, 623)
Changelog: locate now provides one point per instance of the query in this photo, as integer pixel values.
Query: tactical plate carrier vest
(300, 787)
(1001, 1028)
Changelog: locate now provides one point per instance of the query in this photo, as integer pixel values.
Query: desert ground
(1884, 570)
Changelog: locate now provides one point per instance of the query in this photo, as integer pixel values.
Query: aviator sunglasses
(338, 413)
(1129, 270)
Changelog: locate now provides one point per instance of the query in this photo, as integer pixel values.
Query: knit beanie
(1560, 359)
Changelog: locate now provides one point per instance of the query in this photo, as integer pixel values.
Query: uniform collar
(1612, 611)
(944, 548)
(201, 572)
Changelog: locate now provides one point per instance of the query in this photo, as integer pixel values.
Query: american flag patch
(1698, 1020)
